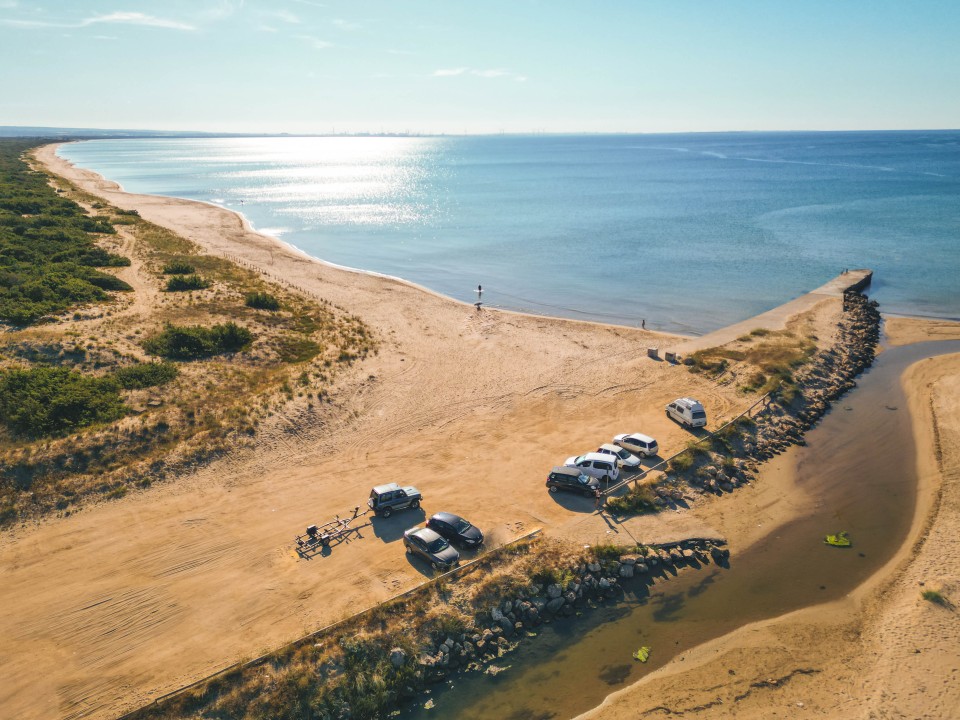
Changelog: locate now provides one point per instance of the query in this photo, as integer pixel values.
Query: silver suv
(384, 499)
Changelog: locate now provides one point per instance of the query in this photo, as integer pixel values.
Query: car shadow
(421, 566)
(648, 462)
(392, 528)
(574, 502)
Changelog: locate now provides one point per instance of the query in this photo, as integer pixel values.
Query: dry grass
(763, 360)
(213, 407)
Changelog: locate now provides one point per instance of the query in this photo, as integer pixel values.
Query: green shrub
(937, 598)
(179, 267)
(47, 250)
(46, 401)
(191, 342)
(145, 375)
(681, 462)
(262, 301)
(180, 283)
(639, 500)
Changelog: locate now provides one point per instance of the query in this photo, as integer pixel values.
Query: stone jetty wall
(500, 628)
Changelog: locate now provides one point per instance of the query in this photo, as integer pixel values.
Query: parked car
(637, 443)
(598, 465)
(430, 546)
(625, 458)
(455, 529)
(384, 499)
(572, 480)
(687, 411)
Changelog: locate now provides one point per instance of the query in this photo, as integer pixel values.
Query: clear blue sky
(480, 66)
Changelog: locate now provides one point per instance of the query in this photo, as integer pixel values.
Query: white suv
(598, 465)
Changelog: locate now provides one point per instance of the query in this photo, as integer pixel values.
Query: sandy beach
(125, 601)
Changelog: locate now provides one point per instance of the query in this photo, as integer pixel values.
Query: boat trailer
(330, 533)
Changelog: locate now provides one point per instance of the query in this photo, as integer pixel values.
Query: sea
(681, 232)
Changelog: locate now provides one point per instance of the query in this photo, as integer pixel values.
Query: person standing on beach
(643, 324)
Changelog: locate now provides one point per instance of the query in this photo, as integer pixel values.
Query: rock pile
(782, 423)
(829, 375)
(503, 625)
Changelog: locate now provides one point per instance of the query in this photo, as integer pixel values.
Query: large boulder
(398, 658)
(626, 571)
(554, 605)
(554, 591)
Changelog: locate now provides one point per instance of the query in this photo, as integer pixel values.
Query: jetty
(776, 319)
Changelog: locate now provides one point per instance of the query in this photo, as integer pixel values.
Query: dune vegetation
(99, 309)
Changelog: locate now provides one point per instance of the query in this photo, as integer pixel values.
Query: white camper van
(687, 411)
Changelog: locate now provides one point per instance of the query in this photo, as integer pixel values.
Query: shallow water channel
(859, 465)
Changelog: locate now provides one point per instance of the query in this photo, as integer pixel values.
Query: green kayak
(841, 539)
(642, 654)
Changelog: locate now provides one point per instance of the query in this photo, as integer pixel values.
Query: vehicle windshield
(437, 545)
(584, 479)
(624, 454)
(463, 526)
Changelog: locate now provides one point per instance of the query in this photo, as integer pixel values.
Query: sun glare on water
(329, 180)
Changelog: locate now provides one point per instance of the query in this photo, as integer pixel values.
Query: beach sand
(114, 606)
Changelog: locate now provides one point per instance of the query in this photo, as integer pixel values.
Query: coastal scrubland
(127, 352)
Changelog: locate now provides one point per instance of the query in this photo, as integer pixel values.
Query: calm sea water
(689, 232)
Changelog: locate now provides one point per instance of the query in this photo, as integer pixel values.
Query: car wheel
(415, 504)
(386, 512)
(552, 488)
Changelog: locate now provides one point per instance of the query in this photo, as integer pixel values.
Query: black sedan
(455, 529)
(431, 547)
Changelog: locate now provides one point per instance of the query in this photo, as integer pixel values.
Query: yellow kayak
(642, 654)
(841, 539)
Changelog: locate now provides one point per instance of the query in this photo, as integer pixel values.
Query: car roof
(640, 436)
(611, 447)
(688, 402)
(571, 471)
(424, 533)
(447, 517)
(389, 487)
(596, 456)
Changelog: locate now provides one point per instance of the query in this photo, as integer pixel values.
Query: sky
(480, 66)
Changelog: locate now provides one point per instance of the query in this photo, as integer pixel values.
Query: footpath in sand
(881, 652)
(111, 607)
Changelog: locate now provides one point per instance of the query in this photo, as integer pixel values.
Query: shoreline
(49, 152)
(441, 303)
